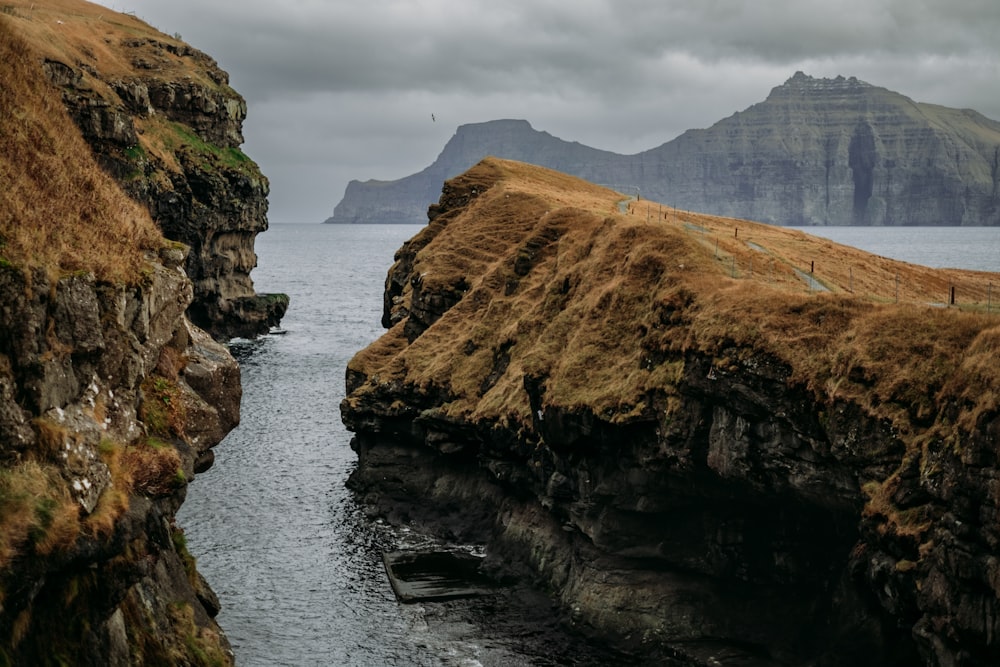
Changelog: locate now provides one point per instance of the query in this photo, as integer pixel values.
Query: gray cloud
(340, 90)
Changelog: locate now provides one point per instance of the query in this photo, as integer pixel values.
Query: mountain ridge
(816, 151)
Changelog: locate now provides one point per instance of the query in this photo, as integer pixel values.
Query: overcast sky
(340, 90)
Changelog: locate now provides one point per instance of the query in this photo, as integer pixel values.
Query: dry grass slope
(58, 209)
(612, 301)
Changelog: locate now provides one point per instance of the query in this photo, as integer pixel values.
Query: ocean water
(293, 558)
(976, 248)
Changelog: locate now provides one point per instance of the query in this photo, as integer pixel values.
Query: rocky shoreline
(723, 499)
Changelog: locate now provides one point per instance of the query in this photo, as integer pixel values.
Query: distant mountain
(406, 200)
(815, 152)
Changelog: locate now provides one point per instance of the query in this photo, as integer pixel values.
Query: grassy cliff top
(77, 32)
(58, 210)
(601, 298)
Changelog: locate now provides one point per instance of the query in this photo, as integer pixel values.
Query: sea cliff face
(161, 117)
(110, 397)
(815, 152)
(110, 400)
(659, 421)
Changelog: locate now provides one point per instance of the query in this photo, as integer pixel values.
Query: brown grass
(153, 467)
(37, 514)
(58, 210)
(74, 31)
(114, 500)
(612, 301)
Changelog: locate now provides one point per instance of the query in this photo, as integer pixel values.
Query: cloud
(341, 90)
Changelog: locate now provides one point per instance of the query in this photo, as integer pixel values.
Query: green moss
(135, 153)
(232, 158)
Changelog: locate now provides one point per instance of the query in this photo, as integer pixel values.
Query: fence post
(952, 295)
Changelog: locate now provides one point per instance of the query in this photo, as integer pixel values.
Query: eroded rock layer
(162, 118)
(660, 421)
(110, 400)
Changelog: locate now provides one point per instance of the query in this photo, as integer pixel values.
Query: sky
(373, 89)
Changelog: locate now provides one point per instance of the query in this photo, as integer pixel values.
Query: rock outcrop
(662, 423)
(161, 118)
(815, 152)
(110, 398)
(110, 401)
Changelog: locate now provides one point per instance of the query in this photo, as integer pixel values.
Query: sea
(292, 555)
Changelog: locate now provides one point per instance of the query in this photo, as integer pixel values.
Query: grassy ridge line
(557, 284)
(58, 210)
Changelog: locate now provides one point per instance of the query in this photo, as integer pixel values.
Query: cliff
(162, 119)
(713, 441)
(815, 152)
(110, 398)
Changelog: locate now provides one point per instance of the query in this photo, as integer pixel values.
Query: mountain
(405, 200)
(816, 152)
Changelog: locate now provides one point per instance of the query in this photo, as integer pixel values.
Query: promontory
(713, 441)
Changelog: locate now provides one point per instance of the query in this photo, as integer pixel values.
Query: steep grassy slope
(160, 117)
(549, 269)
(109, 398)
(58, 209)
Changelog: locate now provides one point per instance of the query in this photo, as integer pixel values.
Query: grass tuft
(37, 514)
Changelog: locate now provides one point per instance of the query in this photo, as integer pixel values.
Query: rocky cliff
(713, 441)
(835, 152)
(815, 152)
(163, 120)
(110, 398)
(110, 401)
